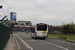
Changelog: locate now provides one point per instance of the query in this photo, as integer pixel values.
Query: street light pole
(8, 12)
(0, 15)
(2, 10)
(1, 7)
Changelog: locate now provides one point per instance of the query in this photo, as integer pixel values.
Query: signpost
(13, 16)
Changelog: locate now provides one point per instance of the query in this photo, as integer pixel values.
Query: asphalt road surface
(25, 42)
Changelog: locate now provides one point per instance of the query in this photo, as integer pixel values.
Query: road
(25, 42)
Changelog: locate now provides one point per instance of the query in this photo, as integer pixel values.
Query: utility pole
(8, 12)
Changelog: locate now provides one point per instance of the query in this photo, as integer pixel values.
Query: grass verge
(64, 37)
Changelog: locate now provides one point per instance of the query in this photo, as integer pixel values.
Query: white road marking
(24, 43)
(17, 43)
(54, 45)
(62, 41)
(28, 47)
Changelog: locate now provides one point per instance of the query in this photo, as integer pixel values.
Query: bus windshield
(41, 27)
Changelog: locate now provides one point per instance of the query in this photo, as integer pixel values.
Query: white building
(24, 23)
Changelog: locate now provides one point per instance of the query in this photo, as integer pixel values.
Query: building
(21, 25)
(54, 29)
(24, 23)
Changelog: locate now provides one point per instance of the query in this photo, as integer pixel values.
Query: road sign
(13, 16)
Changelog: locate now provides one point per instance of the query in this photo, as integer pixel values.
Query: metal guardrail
(4, 32)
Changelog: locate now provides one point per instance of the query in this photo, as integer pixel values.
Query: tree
(65, 29)
(69, 28)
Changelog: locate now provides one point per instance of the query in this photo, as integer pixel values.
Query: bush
(63, 37)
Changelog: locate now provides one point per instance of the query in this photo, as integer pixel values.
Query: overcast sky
(52, 12)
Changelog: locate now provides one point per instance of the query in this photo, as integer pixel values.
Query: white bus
(40, 30)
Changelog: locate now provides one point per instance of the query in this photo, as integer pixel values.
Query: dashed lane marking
(25, 43)
(17, 43)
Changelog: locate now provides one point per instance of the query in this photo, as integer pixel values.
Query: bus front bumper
(41, 36)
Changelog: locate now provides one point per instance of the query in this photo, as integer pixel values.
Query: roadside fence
(4, 32)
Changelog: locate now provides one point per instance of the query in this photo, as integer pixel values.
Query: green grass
(65, 36)
(70, 37)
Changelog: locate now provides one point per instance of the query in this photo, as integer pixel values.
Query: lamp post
(1, 7)
(0, 15)
(8, 12)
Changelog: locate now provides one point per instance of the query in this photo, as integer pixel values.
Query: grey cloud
(48, 11)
